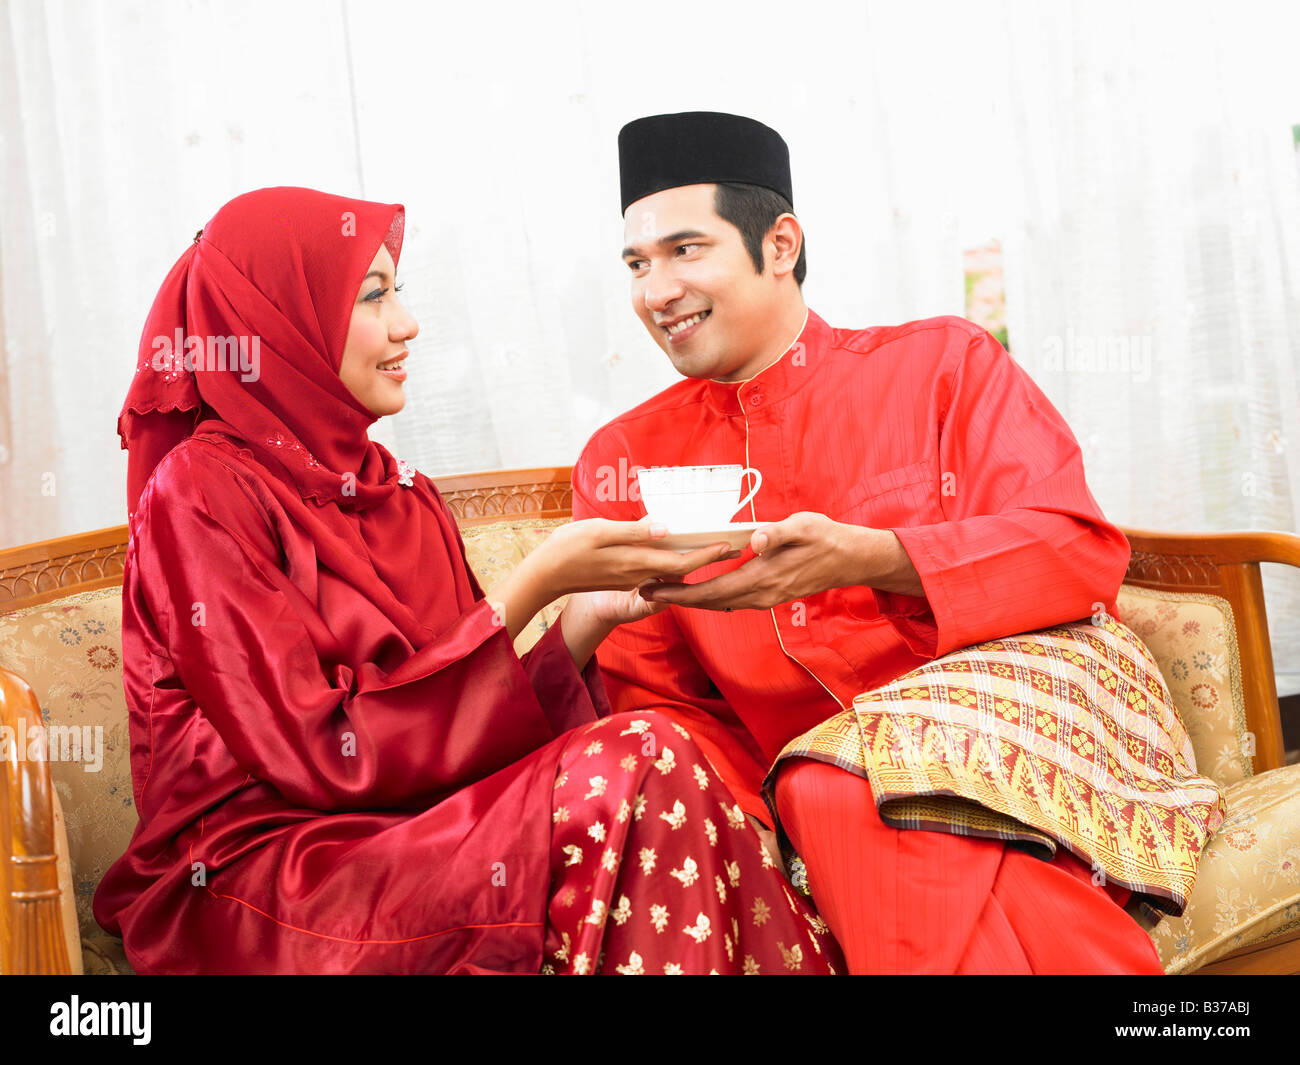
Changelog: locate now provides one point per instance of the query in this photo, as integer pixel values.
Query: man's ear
(783, 242)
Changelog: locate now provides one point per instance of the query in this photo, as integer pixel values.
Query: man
(919, 495)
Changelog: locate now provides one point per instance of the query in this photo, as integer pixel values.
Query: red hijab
(277, 271)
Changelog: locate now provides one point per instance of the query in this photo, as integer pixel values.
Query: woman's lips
(397, 372)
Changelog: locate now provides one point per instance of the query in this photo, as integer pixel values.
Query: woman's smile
(395, 369)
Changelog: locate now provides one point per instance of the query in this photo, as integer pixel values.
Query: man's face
(694, 284)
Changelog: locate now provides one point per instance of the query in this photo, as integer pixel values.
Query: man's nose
(661, 291)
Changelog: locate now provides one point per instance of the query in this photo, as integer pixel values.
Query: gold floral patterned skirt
(656, 870)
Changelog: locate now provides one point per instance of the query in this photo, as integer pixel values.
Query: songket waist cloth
(1066, 736)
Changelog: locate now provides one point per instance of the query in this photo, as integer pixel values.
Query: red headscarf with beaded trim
(276, 273)
(249, 329)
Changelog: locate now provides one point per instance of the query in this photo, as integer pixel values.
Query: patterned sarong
(1066, 736)
(655, 868)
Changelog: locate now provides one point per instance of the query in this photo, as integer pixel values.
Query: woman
(339, 763)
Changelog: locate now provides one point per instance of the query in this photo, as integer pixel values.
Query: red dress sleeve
(1025, 545)
(569, 697)
(226, 623)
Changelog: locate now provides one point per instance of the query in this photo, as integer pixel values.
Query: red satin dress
(317, 793)
(930, 430)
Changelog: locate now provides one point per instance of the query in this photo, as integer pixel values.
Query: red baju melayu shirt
(928, 429)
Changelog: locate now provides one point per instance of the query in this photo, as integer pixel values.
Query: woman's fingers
(606, 532)
(661, 563)
(703, 556)
(614, 552)
(640, 607)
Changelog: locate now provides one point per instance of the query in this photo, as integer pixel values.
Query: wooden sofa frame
(31, 933)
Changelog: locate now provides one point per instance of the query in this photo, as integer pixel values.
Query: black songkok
(700, 148)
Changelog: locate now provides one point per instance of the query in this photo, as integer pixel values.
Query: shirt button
(755, 398)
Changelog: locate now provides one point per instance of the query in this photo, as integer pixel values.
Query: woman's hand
(611, 608)
(588, 617)
(598, 554)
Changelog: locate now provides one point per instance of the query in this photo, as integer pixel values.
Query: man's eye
(636, 264)
(683, 247)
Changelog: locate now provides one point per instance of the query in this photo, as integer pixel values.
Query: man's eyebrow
(672, 238)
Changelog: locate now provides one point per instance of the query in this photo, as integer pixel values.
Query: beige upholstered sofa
(1196, 601)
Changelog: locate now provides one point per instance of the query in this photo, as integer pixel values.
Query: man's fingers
(670, 565)
(792, 530)
(718, 593)
(703, 556)
(765, 538)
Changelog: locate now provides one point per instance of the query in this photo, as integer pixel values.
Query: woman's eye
(376, 296)
(399, 287)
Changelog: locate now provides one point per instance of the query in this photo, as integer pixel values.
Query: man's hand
(803, 555)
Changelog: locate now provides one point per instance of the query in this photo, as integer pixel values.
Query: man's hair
(752, 209)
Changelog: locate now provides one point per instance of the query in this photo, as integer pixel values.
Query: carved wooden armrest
(31, 932)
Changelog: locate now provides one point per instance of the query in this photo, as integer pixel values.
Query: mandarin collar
(774, 383)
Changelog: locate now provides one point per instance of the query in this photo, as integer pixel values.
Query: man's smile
(680, 328)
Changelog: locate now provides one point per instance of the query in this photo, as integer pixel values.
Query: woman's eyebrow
(381, 274)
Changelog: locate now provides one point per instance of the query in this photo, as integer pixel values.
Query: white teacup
(695, 498)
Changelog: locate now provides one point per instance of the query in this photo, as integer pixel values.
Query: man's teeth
(686, 323)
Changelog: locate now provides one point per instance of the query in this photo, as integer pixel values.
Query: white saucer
(737, 534)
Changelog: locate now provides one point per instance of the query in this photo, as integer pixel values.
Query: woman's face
(374, 358)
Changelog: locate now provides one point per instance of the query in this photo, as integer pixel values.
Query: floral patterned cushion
(1248, 883)
(70, 652)
(1193, 639)
(104, 955)
(495, 550)
(67, 898)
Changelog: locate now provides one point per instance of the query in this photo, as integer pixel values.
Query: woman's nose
(405, 327)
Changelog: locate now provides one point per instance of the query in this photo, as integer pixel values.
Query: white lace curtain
(1153, 266)
(1135, 162)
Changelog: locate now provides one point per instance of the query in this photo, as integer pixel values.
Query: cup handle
(758, 482)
